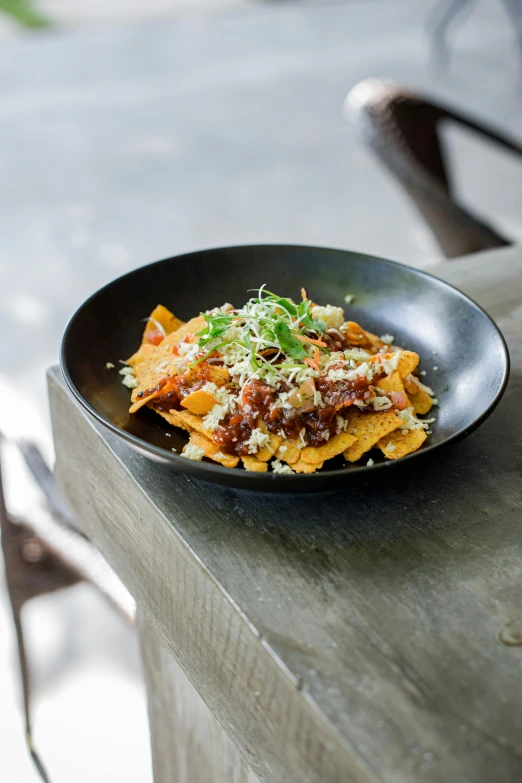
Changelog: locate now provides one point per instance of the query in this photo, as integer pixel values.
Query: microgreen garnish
(289, 344)
(216, 326)
(256, 340)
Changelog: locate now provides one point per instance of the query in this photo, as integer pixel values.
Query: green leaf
(283, 302)
(198, 361)
(307, 321)
(216, 326)
(290, 345)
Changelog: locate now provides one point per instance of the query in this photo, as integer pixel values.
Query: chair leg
(26, 690)
(439, 27)
(8, 536)
(43, 554)
(514, 11)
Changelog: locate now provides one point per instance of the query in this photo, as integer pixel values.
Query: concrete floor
(123, 143)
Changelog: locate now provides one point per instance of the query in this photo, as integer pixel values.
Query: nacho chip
(407, 363)
(289, 451)
(268, 451)
(157, 365)
(212, 450)
(376, 344)
(355, 335)
(335, 445)
(392, 383)
(192, 327)
(306, 467)
(199, 402)
(403, 443)
(420, 399)
(369, 428)
(142, 354)
(187, 421)
(217, 375)
(139, 403)
(175, 421)
(253, 465)
(161, 317)
(410, 385)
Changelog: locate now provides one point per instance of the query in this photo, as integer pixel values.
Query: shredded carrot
(316, 356)
(304, 295)
(311, 363)
(308, 340)
(377, 356)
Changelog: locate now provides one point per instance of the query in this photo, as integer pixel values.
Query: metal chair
(403, 130)
(445, 16)
(44, 553)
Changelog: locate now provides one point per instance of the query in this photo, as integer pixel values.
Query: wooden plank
(351, 636)
(188, 744)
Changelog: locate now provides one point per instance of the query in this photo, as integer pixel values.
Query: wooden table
(367, 635)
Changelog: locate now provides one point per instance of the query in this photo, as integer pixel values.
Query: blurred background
(132, 130)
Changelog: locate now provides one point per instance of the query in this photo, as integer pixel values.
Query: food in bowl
(279, 384)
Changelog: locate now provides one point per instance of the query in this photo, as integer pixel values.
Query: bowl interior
(462, 352)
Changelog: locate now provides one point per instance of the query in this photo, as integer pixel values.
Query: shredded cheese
(257, 440)
(278, 467)
(331, 316)
(191, 451)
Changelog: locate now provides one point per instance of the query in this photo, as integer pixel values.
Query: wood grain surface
(351, 636)
(188, 744)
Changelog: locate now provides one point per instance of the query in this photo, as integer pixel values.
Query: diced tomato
(399, 400)
(175, 350)
(154, 336)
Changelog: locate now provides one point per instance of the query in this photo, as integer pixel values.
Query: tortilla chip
(172, 418)
(164, 318)
(199, 402)
(289, 451)
(268, 451)
(163, 351)
(393, 383)
(217, 375)
(335, 445)
(187, 421)
(212, 450)
(404, 443)
(355, 335)
(306, 467)
(407, 363)
(376, 344)
(410, 384)
(134, 408)
(369, 428)
(141, 355)
(420, 400)
(153, 368)
(192, 327)
(253, 465)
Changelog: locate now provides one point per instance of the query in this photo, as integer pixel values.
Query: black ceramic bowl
(448, 330)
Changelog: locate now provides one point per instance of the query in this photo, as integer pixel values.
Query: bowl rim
(200, 469)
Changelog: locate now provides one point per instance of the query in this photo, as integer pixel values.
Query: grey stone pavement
(129, 137)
